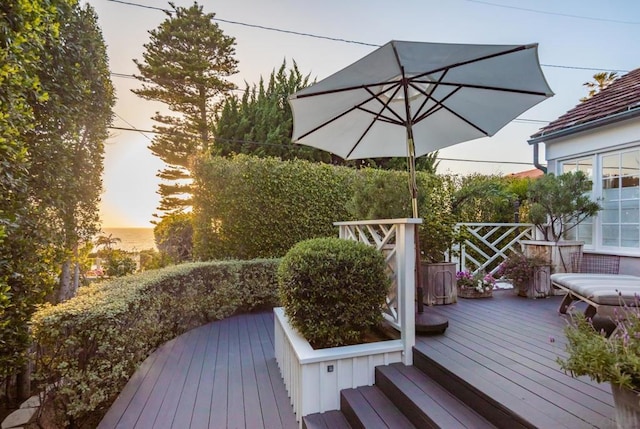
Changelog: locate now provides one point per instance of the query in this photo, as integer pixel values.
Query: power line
(316, 36)
(133, 127)
(141, 5)
(544, 12)
(302, 147)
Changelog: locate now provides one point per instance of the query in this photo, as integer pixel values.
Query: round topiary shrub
(332, 290)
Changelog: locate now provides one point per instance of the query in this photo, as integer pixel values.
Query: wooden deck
(221, 375)
(506, 347)
(224, 374)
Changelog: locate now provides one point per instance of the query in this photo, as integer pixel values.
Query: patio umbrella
(407, 99)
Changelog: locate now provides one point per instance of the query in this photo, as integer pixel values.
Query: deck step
(368, 407)
(502, 409)
(424, 402)
(327, 420)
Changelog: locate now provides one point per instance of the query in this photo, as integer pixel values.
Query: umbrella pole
(413, 188)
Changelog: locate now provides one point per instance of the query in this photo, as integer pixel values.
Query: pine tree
(185, 66)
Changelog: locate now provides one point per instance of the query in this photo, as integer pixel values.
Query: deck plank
(270, 415)
(219, 405)
(163, 390)
(200, 417)
(250, 396)
(185, 405)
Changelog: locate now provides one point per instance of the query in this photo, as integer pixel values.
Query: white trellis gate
(395, 238)
(488, 244)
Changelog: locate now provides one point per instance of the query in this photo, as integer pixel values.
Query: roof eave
(622, 116)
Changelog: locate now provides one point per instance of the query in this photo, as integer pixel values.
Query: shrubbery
(89, 346)
(332, 290)
(247, 207)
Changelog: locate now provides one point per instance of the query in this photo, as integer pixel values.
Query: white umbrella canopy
(442, 93)
(407, 99)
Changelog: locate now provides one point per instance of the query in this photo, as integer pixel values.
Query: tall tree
(261, 122)
(185, 66)
(600, 81)
(67, 98)
(25, 27)
(73, 125)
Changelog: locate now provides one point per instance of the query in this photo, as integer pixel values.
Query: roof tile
(622, 95)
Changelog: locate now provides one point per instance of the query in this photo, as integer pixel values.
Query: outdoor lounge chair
(603, 293)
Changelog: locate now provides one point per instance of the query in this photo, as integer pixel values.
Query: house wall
(613, 137)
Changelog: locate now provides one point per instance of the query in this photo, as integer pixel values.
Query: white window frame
(597, 193)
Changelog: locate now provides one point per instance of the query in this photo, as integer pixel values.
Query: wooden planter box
(557, 255)
(539, 286)
(439, 283)
(314, 378)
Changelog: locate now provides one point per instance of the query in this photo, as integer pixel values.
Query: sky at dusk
(577, 38)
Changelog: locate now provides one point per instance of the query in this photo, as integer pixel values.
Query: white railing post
(396, 239)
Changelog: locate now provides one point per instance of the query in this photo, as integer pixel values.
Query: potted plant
(558, 204)
(382, 194)
(614, 359)
(332, 292)
(528, 274)
(475, 285)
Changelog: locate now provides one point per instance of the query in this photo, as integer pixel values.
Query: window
(621, 199)
(616, 179)
(584, 231)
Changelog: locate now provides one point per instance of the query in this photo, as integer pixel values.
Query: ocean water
(132, 239)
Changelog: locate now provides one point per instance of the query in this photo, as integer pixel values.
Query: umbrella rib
(428, 96)
(376, 115)
(475, 60)
(490, 88)
(356, 107)
(442, 106)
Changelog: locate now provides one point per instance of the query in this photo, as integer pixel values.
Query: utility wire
(302, 147)
(544, 12)
(316, 36)
(133, 127)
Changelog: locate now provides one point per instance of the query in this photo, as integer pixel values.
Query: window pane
(610, 215)
(610, 235)
(630, 163)
(629, 215)
(610, 183)
(585, 232)
(610, 166)
(630, 236)
(611, 194)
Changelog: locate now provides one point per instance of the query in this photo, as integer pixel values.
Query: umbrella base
(430, 324)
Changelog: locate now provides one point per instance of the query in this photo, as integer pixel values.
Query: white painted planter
(314, 378)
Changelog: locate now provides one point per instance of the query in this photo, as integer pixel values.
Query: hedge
(246, 207)
(89, 346)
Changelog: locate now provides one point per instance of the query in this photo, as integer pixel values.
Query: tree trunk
(23, 382)
(65, 282)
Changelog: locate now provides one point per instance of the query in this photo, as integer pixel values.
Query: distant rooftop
(619, 100)
(528, 174)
